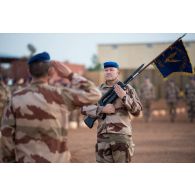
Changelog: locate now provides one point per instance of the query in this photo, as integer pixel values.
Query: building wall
(78, 68)
(96, 76)
(19, 69)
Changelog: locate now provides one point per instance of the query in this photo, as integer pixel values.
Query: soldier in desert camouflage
(114, 133)
(190, 98)
(4, 96)
(147, 94)
(33, 122)
(172, 97)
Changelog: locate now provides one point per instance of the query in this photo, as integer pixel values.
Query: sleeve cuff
(99, 110)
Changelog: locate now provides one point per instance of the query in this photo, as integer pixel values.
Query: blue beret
(41, 57)
(110, 64)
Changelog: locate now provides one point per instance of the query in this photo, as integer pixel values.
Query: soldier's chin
(110, 79)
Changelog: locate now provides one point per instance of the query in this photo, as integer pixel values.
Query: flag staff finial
(183, 36)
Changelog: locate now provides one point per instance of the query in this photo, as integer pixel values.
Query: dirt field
(156, 142)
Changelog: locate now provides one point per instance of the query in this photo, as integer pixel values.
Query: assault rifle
(110, 96)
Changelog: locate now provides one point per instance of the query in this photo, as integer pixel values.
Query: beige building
(130, 56)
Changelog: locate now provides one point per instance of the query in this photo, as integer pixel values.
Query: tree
(96, 65)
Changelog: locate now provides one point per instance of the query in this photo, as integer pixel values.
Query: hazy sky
(76, 48)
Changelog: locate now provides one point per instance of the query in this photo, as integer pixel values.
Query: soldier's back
(40, 133)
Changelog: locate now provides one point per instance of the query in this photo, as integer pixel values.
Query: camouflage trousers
(114, 148)
(191, 110)
(172, 110)
(147, 110)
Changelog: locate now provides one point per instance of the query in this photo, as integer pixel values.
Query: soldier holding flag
(114, 134)
(114, 131)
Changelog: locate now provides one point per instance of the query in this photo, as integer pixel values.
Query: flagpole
(163, 51)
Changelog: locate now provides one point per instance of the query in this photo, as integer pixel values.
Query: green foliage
(96, 66)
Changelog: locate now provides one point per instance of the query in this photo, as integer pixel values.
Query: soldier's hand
(108, 109)
(119, 91)
(61, 69)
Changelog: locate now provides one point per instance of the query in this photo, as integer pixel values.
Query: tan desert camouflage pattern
(16, 88)
(36, 131)
(172, 98)
(4, 97)
(116, 126)
(190, 100)
(114, 148)
(172, 94)
(147, 91)
(147, 95)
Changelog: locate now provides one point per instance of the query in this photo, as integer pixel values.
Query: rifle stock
(111, 96)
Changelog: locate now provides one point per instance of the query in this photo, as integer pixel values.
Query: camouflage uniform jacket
(33, 125)
(147, 92)
(4, 97)
(172, 94)
(190, 93)
(120, 121)
(16, 88)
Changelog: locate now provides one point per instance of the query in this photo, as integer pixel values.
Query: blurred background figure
(147, 95)
(172, 97)
(19, 84)
(190, 98)
(4, 96)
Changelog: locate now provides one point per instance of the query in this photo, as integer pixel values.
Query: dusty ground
(158, 141)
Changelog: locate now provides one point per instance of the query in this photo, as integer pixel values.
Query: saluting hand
(61, 69)
(119, 91)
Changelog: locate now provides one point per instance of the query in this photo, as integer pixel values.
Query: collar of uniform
(104, 85)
